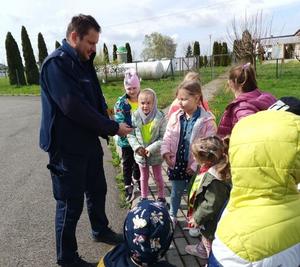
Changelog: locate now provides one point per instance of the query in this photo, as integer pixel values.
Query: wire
(216, 5)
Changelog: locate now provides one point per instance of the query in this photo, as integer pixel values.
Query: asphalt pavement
(26, 203)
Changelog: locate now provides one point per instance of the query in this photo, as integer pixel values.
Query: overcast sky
(129, 21)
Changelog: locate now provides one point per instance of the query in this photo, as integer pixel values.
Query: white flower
(139, 222)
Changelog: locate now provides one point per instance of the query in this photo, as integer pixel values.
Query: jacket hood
(264, 154)
(261, 100)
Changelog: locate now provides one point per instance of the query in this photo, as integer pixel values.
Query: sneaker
(129, 194)
(197, 250)
(79, 262)
(109, 237)
(143, 198)
(164, 202)
(194, 232)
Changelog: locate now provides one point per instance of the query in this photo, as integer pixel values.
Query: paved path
(27, 206)
(176, 254)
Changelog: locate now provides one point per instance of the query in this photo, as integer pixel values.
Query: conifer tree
(57, 44)
(14, 61)
(115, 52)
(31, 69)
(105, 54)
(196, 50)
(129, 55)
(205, 61)
(216, 53)
(201, 61)
(43, 53)
(188, 52)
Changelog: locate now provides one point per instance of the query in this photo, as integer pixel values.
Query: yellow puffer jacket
(261, 222)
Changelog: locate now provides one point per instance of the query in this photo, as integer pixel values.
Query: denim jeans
(177, 190)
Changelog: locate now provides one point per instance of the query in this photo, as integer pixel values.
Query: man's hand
(168, 158)
(124, 129)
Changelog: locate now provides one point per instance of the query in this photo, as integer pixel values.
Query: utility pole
(210, 58)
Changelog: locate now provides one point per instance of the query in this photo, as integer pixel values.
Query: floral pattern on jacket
(122, 111)
(136, 139)
(204, 126)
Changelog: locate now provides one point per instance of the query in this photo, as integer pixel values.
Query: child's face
(146, 103)
(187, 102)
(132, 92)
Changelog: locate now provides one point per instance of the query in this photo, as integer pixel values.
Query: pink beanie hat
(131, 79)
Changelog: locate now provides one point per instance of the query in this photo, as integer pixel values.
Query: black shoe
(109, 237)
(129, 194)
(79, 262)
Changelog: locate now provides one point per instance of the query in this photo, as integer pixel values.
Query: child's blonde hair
(193, 87)
(213, 150)
(192, 76)
(243, 75)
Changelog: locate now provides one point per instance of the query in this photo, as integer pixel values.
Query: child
(190, 76)
(148, 234)
(149, 126)
(187, 124)
(209, 193)
(248, 98)
(260, 225)
(124, 107)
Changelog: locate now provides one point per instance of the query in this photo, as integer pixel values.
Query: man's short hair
(82, 24)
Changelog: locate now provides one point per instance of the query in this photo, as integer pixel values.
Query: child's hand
(168, 158)
(190, 171)
(141, 151)
(193, 223)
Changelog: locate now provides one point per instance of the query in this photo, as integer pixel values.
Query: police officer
(74, 115)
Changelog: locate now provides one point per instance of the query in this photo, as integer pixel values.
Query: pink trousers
(157, 173)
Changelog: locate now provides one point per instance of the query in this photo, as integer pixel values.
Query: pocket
(68, 173)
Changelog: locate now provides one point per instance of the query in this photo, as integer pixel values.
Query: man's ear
(73, 38)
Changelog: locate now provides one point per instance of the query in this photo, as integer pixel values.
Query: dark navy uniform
(73, 117)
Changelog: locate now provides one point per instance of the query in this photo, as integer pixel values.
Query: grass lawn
(288, 84)
(7, 89)
(165, 88)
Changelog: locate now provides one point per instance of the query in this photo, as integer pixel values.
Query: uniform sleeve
(65, 91)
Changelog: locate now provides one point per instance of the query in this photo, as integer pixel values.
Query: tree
(205, 61)
(216, 54)
(14, 61)
(201, 61)
(31, 69)
(105, 54)
(188, 52)
(158, 46)
(115, 52)
(129, 55)
(247, 35)
(57, 44)
(224, 56)
(196, 49)
(43, 53)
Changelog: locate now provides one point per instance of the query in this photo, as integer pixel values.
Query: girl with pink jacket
(186, 125)
(248, 98)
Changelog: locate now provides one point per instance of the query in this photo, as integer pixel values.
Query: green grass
(288, 84)
(116, 162)
(7, 89)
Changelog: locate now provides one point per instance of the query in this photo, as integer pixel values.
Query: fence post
(277, 68)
